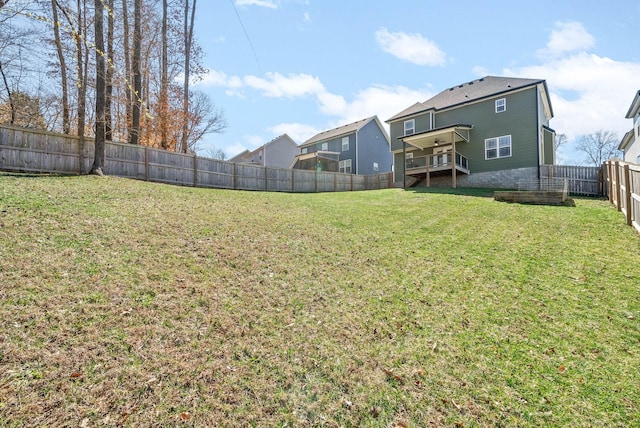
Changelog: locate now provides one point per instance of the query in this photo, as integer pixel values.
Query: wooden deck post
(454, 178)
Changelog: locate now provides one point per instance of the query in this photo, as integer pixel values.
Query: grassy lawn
(140, 304)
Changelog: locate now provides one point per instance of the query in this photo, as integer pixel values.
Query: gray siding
(372, 147)
(280, 153)
(520, 120)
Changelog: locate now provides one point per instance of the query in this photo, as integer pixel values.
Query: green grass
(139, 304)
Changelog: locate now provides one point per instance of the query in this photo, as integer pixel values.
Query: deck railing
(436, 161)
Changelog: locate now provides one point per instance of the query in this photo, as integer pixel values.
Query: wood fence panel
(304, 181)
(623, 180)
(279, 180)
(250, 177)
(582, 180)
(41, 151)
(125, 160)
(215, 173)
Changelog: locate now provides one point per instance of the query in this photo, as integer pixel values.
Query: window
(345, 166)
(375, 166)
(345, 144)
(501, 105)
(325, 147)
(304, 151)
(498, 147)
(409, 127)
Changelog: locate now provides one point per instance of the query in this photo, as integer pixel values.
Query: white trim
(501, 105)
(413, 127)
(498, 147)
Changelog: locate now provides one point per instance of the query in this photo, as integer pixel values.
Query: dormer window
(409, 127)
(501, 105)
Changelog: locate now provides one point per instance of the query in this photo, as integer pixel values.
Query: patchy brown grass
(137, 304)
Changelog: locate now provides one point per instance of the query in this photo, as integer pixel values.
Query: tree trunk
(127, 67)
(108, 125)
(98, 160)
(66, 121)
(164, 82)
(188, 37)
(82, 82)
(134, 134)
(9, 96)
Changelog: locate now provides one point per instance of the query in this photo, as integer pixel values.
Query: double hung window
(497, 147)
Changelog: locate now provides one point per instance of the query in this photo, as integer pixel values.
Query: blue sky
(312, 65)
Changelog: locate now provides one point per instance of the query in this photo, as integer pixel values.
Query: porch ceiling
(439, 137)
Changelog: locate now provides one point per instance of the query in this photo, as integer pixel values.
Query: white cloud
(299, 132)
(276, 85)
(306, 17)
(588, 92)
(413, 48)
(261, 3)
(568, 37)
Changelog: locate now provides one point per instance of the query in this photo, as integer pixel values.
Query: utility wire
(233, 3)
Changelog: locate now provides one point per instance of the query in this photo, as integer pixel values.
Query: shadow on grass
(462, 191)
(479, 192)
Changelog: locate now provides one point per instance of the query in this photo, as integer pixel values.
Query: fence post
(293, 185)
(195, 170)
(610, 180)
(235, 176)
(618, 189)
(146, 163)
(266, 179)
(627, 191)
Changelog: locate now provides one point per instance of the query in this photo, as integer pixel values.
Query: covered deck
(444, 159)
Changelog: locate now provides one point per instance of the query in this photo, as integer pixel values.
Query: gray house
(630, 144)
(490, 132)
(360, 148)
(277, 153)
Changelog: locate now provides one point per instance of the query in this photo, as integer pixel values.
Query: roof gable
(343, 130)
(475, 90)
(635, 107)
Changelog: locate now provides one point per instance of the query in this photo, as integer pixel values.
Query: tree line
(115, 70)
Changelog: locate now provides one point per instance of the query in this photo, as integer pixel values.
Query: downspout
(538, 128)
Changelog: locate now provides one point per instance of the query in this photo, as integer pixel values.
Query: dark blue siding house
(362, 147)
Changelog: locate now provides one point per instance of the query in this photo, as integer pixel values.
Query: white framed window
(325, 147)
(409, 127)
(303, 151)
(501, 105)
(345, 144)
(497, 147)
(375, 166)
(345, 166)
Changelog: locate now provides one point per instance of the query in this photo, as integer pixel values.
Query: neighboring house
(496, 129)
(277, 153)
(360, 148)
(630, 144)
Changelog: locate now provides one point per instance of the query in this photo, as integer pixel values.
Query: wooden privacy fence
(623, 189)
(581, 180)
(44, 152)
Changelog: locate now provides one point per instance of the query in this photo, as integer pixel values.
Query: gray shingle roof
(467, 92)
(336, 132)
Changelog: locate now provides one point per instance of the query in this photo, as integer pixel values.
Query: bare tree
(66, 121)
(216, 153)
(188, 43)
(98, 160)
(561, 140)
(134, 132)
(599, 146)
